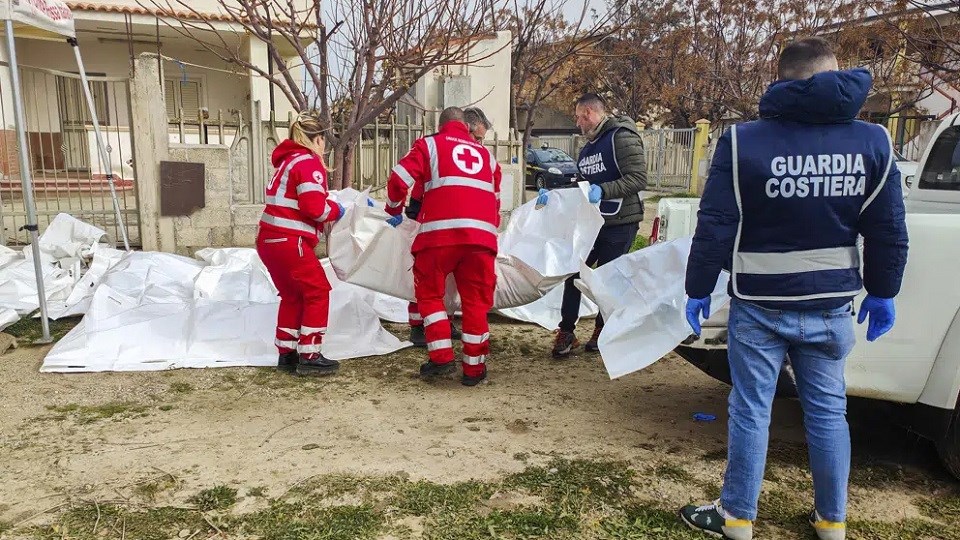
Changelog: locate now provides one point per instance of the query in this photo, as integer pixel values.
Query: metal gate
(669, 155)
(67, 176)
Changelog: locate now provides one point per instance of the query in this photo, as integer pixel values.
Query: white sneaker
(827, 530)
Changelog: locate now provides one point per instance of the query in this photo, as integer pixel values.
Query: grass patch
(181, 388)
(285, 521)
(673, 472)
(944, 508)
(215, 498)
(677, 195)
(91, 522)
(639, 242)
(562, 500)
(643, 522)
(4, 526)
(28, 329)
(88, 414)
(151, 489)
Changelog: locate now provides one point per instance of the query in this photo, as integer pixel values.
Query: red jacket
(460, 182)
(297, 201)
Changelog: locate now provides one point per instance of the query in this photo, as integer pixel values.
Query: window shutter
(169, 95)
(190, 99)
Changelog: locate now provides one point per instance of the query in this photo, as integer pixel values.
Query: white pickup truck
(918, 363)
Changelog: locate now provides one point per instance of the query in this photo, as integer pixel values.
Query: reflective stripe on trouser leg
(279, 258)
(413, 314)
(315, 289)
(475, 282)
(430, 269)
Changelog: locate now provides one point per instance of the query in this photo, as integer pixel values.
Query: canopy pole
(104, 155)
(27, 180)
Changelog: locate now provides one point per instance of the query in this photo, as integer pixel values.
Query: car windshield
(551, 155)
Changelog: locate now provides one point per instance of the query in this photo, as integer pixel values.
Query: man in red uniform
(479, 125)
(459, 216)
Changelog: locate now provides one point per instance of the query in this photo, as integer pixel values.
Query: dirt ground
(544, 449)
(138, 442)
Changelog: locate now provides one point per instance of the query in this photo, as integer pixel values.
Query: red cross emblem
(467, 158)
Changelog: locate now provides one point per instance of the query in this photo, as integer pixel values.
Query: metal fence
(68, 177)
(669, 154)
(381, 145)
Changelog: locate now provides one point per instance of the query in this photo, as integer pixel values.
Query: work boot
(288, 362)
(564, 344)
(473, 381)
(317, 366)
(827, 530)
(418, 337)
(432, 369)
(592, 345)
(713, 520)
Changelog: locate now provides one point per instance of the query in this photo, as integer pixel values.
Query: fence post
(700, 143)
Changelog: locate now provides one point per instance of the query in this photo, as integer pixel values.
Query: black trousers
(611, 243)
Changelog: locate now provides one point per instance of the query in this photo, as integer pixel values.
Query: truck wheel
(949, 446)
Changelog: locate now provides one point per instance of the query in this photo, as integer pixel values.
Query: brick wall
(9, 161)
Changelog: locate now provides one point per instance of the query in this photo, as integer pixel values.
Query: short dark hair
(591, 99)
(451, 114)
(804, 58)
(473, 116)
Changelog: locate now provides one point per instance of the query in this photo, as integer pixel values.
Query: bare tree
(544, 42)
(360, 57)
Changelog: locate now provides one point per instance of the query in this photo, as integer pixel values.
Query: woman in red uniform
(297, 206)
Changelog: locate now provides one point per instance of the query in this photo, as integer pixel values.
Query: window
(552, 155)
(73, 101)
(183, 96)
(942, 171)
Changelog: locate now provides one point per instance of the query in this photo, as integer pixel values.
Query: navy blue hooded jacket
(808, 180)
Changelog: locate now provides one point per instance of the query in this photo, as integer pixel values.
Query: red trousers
(304, 293)
(472, 268)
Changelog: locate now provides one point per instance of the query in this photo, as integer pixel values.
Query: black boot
(473, 381)
(418, 337)
(593, 345)
(317, 366)
(430, 369)
(288, 362)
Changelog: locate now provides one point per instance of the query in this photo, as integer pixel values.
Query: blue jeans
(817, 343)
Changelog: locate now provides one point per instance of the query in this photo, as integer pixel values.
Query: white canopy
(41, 19)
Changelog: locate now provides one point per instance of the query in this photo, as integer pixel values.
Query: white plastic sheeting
(63, 244)
(540, 248)
(642, 299)
(545, 312)
(153, 311)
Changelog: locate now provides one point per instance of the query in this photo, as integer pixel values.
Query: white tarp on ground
(153, 311)
(538, 250)
(545, 312)
(642, 299)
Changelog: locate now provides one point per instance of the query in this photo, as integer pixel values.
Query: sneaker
(317, 366)
(827, 530)
(713, 520)
(418, 337)
(473, 381)
(564, 344)
(432, 369)
(592, 345)
(288, 362)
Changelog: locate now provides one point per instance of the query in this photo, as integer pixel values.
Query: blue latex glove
(395, 220)
(595, 194)
(369, 202)
(882, 316)
(342, 211)
(696, 307)
(542, 197)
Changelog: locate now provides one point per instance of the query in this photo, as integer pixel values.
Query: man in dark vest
(613, 163)
(788, 199)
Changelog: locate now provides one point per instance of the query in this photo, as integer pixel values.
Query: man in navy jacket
(787, 199)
